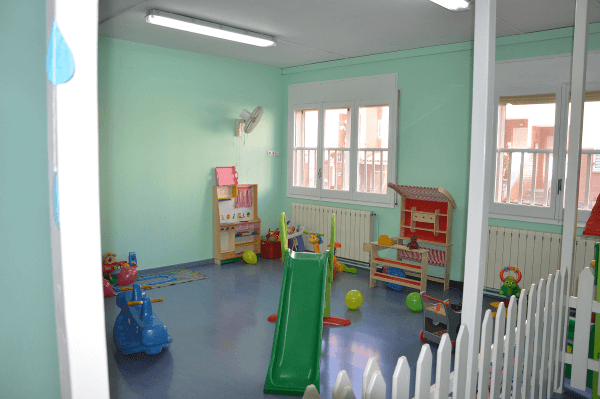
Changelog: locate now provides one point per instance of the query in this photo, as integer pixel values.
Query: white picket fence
(527, 359)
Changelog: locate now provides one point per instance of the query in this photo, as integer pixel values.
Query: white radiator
(534, 253)
(352, 228)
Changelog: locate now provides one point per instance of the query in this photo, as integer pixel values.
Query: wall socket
(270, 153)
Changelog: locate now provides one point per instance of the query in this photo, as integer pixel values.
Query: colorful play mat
(157, 280)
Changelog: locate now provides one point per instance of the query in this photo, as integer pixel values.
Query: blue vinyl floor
(222, 340)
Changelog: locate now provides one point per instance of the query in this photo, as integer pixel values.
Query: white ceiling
(312, 31)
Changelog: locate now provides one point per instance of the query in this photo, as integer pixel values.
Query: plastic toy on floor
(339, 266)
(315, 239)
(249, 257)
(270, 247)
(108, 266)
(439, 317)
(295, 241)
(132, 259)
(394, 271)
(509, 287)
(353, 299)
(108, 288)
(414, 303)
(273, 236)
(128, 273)
(137, 329)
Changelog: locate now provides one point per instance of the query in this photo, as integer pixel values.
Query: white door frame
(75, 233)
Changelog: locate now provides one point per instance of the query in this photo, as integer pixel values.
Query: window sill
(342, 201)
(555, 222)
(526, 219)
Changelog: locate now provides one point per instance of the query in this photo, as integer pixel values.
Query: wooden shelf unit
(231, 237)
(427, 213)
(418, 270)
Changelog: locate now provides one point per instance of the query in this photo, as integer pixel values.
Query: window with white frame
(589, 173)
(531, 153)
(342, 140)
(525, 153)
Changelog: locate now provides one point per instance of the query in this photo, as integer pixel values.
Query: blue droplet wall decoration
(60, 64)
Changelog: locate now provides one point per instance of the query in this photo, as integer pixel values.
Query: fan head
(251, 119)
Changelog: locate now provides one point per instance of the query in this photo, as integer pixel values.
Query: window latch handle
(320, 173)
(559, 186)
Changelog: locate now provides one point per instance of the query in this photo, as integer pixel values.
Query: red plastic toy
(270, 249)
(108, 288)
(592, 227)
(127, 276)
(273, 236)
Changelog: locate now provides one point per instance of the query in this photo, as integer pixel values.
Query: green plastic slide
(296, 354)
(304, 300)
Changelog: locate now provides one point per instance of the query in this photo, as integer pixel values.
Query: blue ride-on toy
(137, 329)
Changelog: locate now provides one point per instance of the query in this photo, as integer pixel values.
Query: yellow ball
(249, 257)
(354, 299)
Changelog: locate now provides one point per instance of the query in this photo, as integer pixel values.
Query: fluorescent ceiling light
(208, 28)
(453, 5)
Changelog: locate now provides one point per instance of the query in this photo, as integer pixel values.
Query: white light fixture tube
(453, 5)
(208, 28)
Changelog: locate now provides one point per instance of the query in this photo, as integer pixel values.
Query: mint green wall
(28, 353)
(435, 118)
(167, 118)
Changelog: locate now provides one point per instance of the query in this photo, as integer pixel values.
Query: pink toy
(127, 276)
(108, 289)
(226, 175)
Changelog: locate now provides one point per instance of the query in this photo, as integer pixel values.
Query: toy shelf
(427, 213)
(235, 230)
(412, 268)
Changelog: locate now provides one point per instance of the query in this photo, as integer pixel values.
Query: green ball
(413, 301)
(249, 257)
(354, 299)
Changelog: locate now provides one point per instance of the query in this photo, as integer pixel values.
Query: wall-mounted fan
(248, 121)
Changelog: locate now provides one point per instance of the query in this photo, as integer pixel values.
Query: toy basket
(270, 250)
